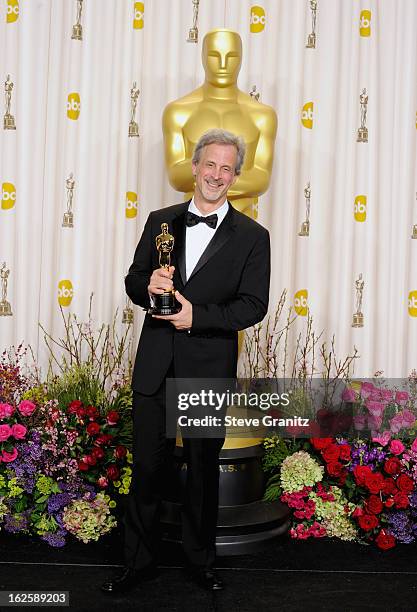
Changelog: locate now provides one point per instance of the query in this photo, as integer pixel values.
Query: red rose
(334, 468)
(331, 453)
(374, 505)
(389, 487)
(74, 406)
(357, 512)
(368, 522)
(342, 478)
(82, 466)
(103, 440)
(344, 452)
(361, 472)
(113, 472)
(401, 500)
(384, 540)
(90, 460)
(374, 482)
(389, 502)
(321, 443)
(404, 483)
(392, 466)
(98, 453)
(113, 417)
(91, 412)
(120, 452)
(93, 429)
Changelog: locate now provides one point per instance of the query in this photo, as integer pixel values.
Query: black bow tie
(193, 219)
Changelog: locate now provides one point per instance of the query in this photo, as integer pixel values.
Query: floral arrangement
(64, 442)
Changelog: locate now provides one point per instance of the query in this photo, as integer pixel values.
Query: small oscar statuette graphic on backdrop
(127, 317)
(68, 219)
(255, 95)
(8, 120)
(193, 32)
(77, 28)
(311, 39)
(133, 126)
(363, 130)
(5, 308)
(357, 320)
(165, 303)
(414, 234)
(305, 226)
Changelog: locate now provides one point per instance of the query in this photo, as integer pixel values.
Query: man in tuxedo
(220, 271)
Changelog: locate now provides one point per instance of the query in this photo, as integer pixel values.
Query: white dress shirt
(198, 236)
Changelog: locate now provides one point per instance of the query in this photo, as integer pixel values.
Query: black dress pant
(152, 455)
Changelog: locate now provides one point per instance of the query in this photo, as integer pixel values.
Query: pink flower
(414, 446)
(103, 482)
(396, 423)
(402, 397)
(366, 389)
(349, 395)
(409, 418)
(5, 432)
(6, 411)
(383, 438)
(387, 395)
(8, 457)
(396, 447)
(18, 431)
(376, 409)
(374, 422)
(359, 421)
(26, 408)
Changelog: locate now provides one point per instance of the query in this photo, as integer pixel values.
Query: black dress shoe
(208, 579)
(128, 578)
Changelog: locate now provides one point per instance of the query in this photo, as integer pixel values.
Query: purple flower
(55, 539)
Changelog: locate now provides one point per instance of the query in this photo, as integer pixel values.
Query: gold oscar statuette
(305, 226)
(255, 95)
(8, 120)
(127, 317)
(219, 103)
(77, 28)
(68, 218)
(133, 126)
(311, 39)
(5, 308)
(358, 318)
(363, 130)
(165, 303)
(414, 234)
(193, 32)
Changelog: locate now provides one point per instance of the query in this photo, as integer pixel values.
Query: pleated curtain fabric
(72, 102)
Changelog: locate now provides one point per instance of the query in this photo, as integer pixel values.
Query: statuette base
(68, 220)
(305, 229)
(165, 304)
(77, 32)
(362, 135)
(311, 41)
(8, 122)
(357, 320)
(5, 309)
(133, 129)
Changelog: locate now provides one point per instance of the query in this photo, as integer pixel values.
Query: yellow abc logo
(300, 302)
(365, 23)
(65, 292)
(307, 115)
(412, 304)
(12, 11)
(73, 106)
(8, 198)
(131, 204)
(139, 15)
(257, 19)
(360, 208)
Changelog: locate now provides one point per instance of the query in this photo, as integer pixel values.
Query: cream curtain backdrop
(126, 42)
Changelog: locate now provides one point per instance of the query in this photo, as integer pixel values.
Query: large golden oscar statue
(218, 103)
(246, 523)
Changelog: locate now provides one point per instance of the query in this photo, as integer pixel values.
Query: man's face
(222, 57)
(215, 173)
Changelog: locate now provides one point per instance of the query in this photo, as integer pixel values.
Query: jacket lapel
(220, 238)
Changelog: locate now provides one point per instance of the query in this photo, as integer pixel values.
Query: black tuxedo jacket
(228, 288)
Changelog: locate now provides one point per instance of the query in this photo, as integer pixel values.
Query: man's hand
(161, 280)
(183, 319)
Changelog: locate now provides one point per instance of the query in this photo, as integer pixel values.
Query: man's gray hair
(222, 137)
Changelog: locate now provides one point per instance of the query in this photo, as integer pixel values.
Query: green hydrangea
(88, 519)
(45, 524)
(14, 489)
(335, 515)
(298, 471)
(46, 485)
